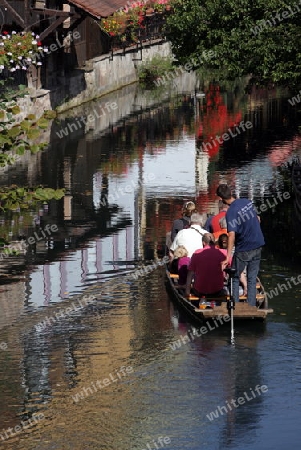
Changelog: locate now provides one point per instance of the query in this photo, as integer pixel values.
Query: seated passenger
(222, 230)
(184, 221)
(205, 267)
(190, 238)
(222, 241)
(212, 223)
(183, 263)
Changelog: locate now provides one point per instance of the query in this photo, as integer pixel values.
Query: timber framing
(14, 13)
(26, 24)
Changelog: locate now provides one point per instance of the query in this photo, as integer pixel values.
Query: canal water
(93, 352)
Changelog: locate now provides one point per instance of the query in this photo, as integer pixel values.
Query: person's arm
(231, 243)
(188, 283)
(208, 226)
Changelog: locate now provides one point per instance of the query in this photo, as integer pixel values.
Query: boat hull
(218, 309)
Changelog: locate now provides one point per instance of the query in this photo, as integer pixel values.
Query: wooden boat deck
(242, 310)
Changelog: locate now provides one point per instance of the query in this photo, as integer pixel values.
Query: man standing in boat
(245, 237)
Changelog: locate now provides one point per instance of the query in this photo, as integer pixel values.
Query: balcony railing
(151, 29)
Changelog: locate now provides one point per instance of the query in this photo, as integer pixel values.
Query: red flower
(5, 32)
(39, 43)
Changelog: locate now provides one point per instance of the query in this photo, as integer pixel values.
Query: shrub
(154, 68)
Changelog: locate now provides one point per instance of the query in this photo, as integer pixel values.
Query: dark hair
(224, 192)
(220, 239)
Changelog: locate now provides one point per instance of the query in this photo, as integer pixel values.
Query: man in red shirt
(215, 221)
(205, 268)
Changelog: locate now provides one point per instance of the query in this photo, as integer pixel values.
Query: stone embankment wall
(97, 116)
(100, 76)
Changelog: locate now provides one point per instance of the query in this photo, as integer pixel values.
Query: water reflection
(125, 182)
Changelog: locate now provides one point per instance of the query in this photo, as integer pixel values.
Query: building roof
(99, 8)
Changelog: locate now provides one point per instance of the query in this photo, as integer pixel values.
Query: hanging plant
(127, 22)
(115, 24)
(20, 50)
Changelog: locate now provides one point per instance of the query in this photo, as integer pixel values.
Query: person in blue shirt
(245, 237)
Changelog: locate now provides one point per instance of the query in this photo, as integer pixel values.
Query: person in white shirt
(190, 238)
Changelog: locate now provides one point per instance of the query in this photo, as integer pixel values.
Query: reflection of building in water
(12, 302)
(201, 171)
(67, 174)
(110, 193)
(248, 162)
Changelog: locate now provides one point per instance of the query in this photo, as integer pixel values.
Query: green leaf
(14, 131)
(25, 125)
(5, 140)
(33, 133)
(15, 110)
(20, 150)
(43, 123)
(34, 148)
(50, 114)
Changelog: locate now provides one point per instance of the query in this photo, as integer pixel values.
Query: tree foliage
(17, 137)
(260, 38)
(17, 198)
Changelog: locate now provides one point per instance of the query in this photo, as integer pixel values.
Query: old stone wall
(100, 76)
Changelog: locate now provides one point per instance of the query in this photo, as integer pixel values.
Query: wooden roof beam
(13, 12)
(52, 27)
(52, 12)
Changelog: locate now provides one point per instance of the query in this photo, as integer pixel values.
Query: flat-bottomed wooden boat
(203, 309)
